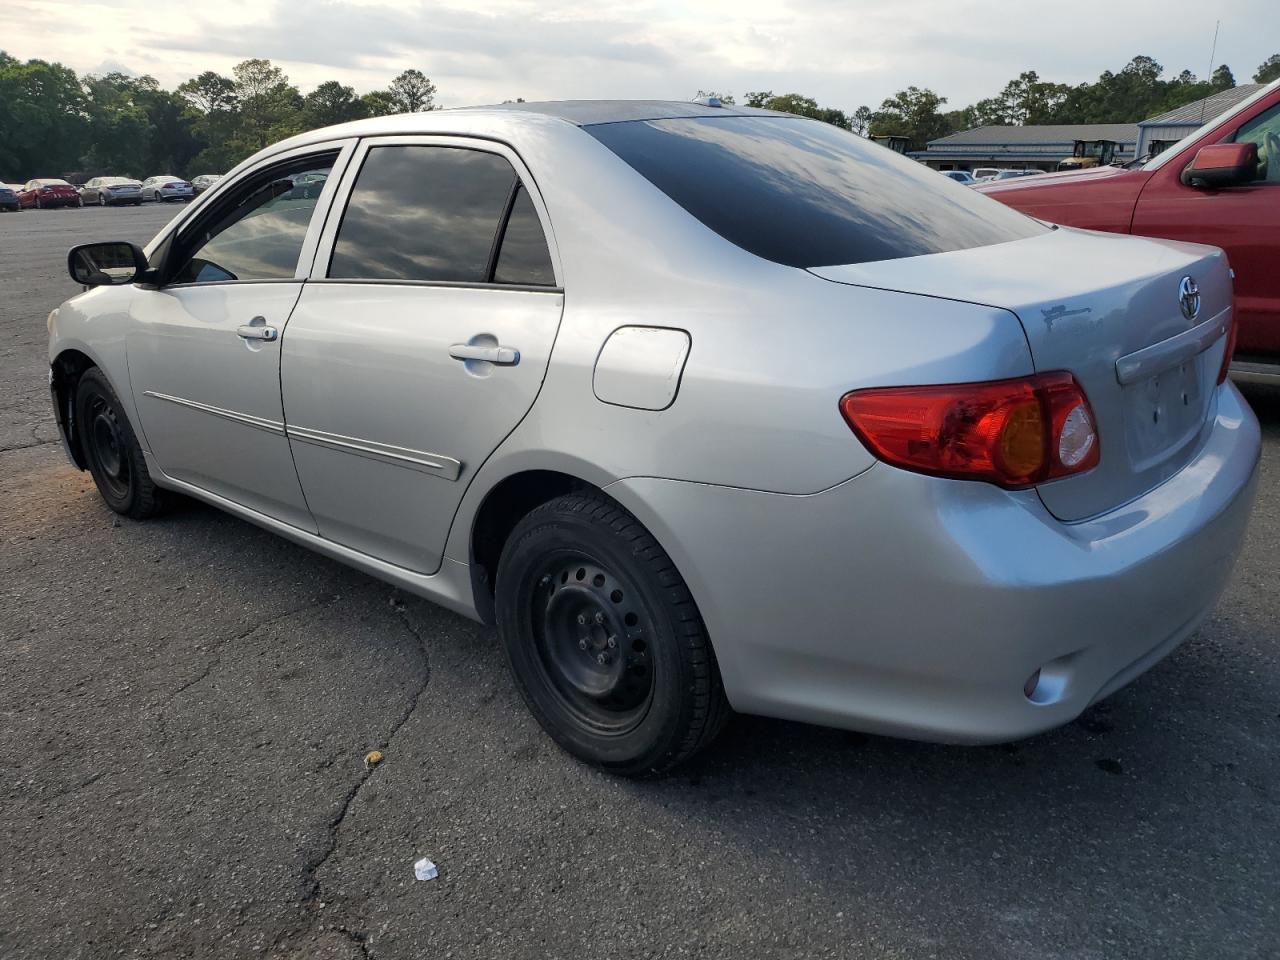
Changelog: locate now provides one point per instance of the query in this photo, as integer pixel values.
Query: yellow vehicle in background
(1089, 153)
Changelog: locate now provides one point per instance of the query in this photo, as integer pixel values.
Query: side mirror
(113, 263)
(1222, 165)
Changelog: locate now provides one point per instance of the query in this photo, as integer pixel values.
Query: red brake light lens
(1013, 433)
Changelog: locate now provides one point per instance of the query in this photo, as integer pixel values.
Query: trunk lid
(1108, 309)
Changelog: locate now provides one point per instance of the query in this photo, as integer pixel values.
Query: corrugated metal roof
(1056, 133)
(1206, 109)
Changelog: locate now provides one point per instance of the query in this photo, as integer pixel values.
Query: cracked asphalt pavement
(185, 705)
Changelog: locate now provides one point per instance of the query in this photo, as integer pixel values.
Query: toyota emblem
(1189, 298)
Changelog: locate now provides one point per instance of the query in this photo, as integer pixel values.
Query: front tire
(111, 449)
(604, 640)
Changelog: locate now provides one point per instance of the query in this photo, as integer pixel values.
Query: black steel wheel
(604, 640)
(589, 633)
(111, 449)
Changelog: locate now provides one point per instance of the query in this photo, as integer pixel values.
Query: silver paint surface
(924, 603)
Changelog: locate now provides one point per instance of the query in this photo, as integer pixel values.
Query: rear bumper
(915, 606)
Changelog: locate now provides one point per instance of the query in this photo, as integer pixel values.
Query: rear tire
(604, 640)
(112, 451)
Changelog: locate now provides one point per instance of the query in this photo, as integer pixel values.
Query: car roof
(584, 113)
(469, 120)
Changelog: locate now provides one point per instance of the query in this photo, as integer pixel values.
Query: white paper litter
(424, 869)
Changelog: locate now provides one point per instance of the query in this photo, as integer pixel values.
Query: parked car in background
(166, 188)
(926, 506)
(959, 176)
(9, 198)
(48, 192)
(1010, 175)
(985, 173)
(107, 191)
(203, 182)
(308, 186)
(1220, 186)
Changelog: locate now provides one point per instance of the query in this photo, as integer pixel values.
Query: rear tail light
(1013, 433)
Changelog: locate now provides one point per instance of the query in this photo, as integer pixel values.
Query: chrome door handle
(257, 329)
(502, 356)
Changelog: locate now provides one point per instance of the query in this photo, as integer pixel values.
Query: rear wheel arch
(510, 500)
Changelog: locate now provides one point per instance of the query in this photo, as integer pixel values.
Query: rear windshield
(807, 194)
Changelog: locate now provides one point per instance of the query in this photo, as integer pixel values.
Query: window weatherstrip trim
(259, 423)
(433, 464)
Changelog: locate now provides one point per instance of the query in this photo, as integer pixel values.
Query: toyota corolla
(704, 407)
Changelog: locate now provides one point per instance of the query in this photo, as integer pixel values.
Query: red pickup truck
(1220, 185)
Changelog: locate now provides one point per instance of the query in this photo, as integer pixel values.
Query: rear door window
(807, 194)
(423, 213)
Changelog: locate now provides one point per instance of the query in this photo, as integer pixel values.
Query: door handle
(257, 329)
(502, 356)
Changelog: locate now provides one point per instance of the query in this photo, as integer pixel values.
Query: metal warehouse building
(1023, 148)
(1160, 132)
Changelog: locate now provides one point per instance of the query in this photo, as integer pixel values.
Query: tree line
(54, 122)
(1137, 91)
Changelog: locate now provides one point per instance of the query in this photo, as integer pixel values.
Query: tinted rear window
(423, 213)
(807, 194)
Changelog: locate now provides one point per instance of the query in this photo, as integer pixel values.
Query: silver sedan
(703, 407)
(105, 191)
(167, 188)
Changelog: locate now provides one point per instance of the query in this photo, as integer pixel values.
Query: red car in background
(1220, 186)
(48, 192)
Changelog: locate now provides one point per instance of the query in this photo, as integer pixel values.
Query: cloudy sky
(842, 52)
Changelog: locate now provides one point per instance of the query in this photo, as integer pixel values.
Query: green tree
(757, 98)
(379, 103)
(861, 120)
(209, 92)
(43, 119)
(119, 130)
(270, 107)
(1222, 78)
(1024, 100)
(331, 103)
(412, 92)
(1268, 70)
(801, 106)
(912, 113)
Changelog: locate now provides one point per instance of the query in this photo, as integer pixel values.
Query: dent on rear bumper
(916, 606)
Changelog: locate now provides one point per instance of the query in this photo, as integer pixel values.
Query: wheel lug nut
(599, 617)
(582, 644)
(613, 642)
(601, 659)
(545, 580)
(582, 619)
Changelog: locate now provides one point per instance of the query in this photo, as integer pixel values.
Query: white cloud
(842, 53)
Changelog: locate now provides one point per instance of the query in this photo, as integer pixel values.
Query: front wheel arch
(65, 373)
